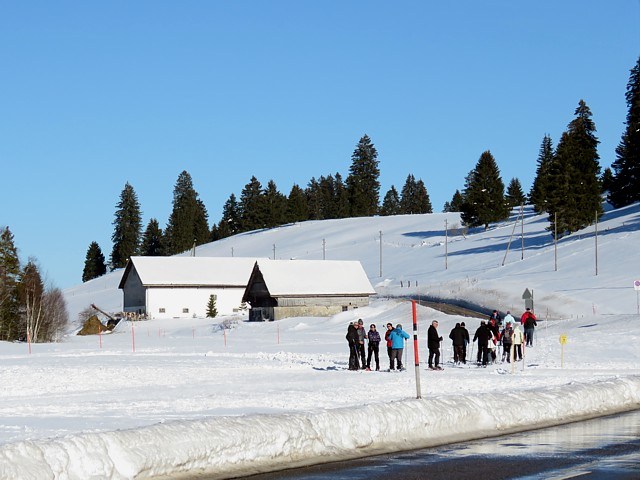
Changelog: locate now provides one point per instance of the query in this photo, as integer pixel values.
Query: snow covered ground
(169, 397)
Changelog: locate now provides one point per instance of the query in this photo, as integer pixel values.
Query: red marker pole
(29, 341)
(415, 347)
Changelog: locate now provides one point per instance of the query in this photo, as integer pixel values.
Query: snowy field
(172, 398)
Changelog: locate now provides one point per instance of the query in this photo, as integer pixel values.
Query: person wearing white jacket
(518, 340)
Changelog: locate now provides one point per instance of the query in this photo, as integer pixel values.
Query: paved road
(607, 448)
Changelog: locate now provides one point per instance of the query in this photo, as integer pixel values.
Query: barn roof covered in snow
(312, 277)
(190, 271)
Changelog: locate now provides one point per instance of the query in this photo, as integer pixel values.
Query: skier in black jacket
(352, 338)
(483, 335)
(433, 343)
(460, 337)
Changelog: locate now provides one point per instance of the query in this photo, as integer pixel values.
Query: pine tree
(127, 228)
(314, 201)
(391, 203)
(456, 203)
(515, 195)
(215, 233)
(230, 222)
(212, 311)
(297, 208)
(363, 182)
(575, 188)
(625, 188)
(327, 197)
(9, 279)
(606, 180)
(342, 206)
(188, 219)
(252, 206)
(275, 204)
(94, 265)
(152, 240)
(407, 200)
(422, 200)
(201, 230)
(540, 187)
(484, 200)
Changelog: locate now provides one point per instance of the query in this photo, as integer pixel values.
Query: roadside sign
(563, 342)
(527, 296)
(636, 285)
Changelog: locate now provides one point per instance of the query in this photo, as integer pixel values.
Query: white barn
(297, 288)
(180, 287)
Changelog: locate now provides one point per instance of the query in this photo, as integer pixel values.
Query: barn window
(185, 310)
(161, 310)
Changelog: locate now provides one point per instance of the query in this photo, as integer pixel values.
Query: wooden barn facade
(280, 289)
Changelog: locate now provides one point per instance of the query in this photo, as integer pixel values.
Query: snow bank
(233, 446)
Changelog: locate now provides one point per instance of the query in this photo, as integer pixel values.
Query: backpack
(529, 322)
(507, 335)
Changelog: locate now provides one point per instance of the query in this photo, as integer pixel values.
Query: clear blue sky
(97, 94)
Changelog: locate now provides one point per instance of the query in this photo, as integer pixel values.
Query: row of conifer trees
(568, 185)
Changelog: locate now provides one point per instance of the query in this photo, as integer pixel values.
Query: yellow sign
(563, 339)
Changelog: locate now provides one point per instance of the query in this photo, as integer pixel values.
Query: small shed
(279, 289)
(180, 287)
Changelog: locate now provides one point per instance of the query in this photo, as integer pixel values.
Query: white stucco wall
(195, 299)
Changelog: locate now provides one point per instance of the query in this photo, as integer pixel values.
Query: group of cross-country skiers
(490, 335)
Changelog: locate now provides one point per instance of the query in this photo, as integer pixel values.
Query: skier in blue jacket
(397, 337)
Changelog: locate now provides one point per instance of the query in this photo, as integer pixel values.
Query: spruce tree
(515, 196)
(540, 187)
(212, 310)
(230, 222)
(559, 201)
(484, 200)
(314, 200)
(422, 200)
(407, 200)
(188, 219)
(297, 208)
(152, 240)
(201, 230)
(252, 206)
(9, 279)
(94, 265)
(327, 197)
(127, 228)
(391, 203)
(275, 204)
(625, 188)
(574, 190)
(363, 182)
(342, 206)
(606, 180)
(456, 203)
